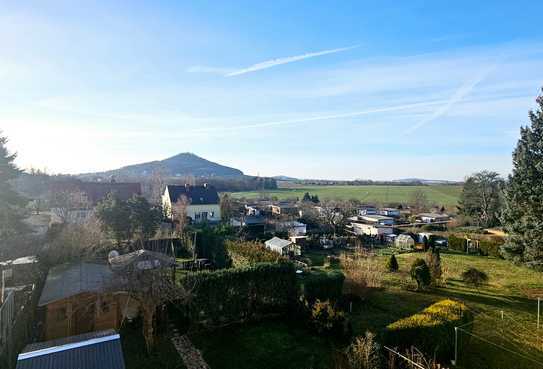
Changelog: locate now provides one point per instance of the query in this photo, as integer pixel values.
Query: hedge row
(237, 294)
(322, 285)
(247, 253)
(432, 330)
(490, 247)
(457, 243)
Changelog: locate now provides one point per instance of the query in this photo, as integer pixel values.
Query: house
(283, 247)
(371, 229)
(404, 241)
(293, 228)
(389, 212)
(377, 219)
(96, 350)
(252, 210)
(367, 210)
(201, 203)
(285, 208)
(433, 218)
(21, 271)
(87, 195)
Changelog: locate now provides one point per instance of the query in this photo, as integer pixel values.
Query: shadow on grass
(135, 352)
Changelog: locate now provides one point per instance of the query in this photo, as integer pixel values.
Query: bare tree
(152, 284)
(418, 200)
(335, 214)
(179, 214)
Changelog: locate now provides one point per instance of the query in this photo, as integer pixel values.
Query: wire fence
(500, 340)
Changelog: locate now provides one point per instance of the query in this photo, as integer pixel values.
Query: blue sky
(314, 89)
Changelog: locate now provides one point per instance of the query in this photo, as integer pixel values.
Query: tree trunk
(148, 329)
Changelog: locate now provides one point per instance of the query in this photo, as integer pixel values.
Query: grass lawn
(135, 353)
(265, 345)
(438, 194)
(507, 291)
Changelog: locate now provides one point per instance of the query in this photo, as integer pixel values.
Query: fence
(7, 318)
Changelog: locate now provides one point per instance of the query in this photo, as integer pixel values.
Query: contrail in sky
(322, 117)
(289, 59)
(458, 96)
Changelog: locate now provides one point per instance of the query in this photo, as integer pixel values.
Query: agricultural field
(446, 195)
(505, 309)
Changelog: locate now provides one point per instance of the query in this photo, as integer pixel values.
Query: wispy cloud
(457, 97)
(289, 59)
(355, 114)
(210, 70)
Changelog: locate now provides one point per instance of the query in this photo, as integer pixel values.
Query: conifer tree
(523, 213)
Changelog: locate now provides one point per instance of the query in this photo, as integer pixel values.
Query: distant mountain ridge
(184, 164)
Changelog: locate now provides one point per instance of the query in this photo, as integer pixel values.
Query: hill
(184, 164)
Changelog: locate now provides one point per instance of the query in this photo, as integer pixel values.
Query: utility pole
(538, 310)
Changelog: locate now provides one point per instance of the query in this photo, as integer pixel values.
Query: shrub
(322, 285)
(474, 277)
(490, 247)
(364, 353)
(433, 260)
(457, 243)
(421, 274)
(392, 264)
(326, 319)
(236, 294)
(432, 330)
(247, 253)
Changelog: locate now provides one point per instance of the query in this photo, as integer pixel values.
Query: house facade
(373, 230)
(200, 203)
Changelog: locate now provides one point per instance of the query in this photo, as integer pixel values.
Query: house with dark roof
(199, 203)
(96, 350)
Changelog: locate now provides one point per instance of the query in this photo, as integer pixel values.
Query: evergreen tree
(307, 197)
(433, 260)
(315, 199)
(523, 213)
(392, 264)
(11, 203)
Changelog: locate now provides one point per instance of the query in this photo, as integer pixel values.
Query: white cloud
(289, 59)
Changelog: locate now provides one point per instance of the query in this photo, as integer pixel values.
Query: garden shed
(404, 241)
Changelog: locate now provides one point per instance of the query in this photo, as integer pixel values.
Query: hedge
(322, 285)
(238, 294)
(490, 247)
(432, 330)
(457, 243)
(247, 253)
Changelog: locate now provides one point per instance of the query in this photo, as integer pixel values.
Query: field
(446, 195)
(508, 291)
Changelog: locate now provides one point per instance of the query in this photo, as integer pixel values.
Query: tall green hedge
(322, 285)
(457, 243)
(432, 330)
(238, 294)
(490, 247)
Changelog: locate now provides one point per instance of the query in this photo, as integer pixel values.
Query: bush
(474, 277)
(433, 260)
(364, 353)
(457, 243)
(421, 274)
(432, 330)
(326, 319)
(247, 253)
(237, 294)
(321, 285)
(392, 264)
(490, 247)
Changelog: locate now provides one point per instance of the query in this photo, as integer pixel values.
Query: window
(197, 216)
